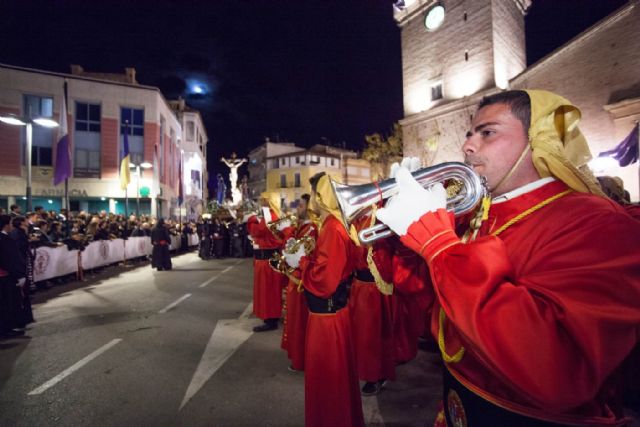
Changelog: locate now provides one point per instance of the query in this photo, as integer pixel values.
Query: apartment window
(42, 137)
(190, 130)
(333, 162)
(297, 179)
(436, 91)
(314, 160)
(132, 119)
(86, 141)
(283, 181)
(282, 161)
(297, 160)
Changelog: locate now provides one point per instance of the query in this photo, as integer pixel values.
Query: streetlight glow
(48, 123)
(12, 120)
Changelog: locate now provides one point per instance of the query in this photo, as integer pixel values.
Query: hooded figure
(160, 239)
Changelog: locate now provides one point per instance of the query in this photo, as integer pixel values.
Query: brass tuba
(465, 189)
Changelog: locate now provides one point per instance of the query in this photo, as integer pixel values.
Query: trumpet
(274, 225)
(278, 263)
(464, 187)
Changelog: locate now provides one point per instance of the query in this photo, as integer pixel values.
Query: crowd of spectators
(77, 229)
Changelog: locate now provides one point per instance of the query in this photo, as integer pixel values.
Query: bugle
(465, 188)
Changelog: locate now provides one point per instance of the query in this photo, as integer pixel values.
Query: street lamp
(143, 165)
(28, 122)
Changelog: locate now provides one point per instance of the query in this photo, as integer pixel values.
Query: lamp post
(28, 123)
(143, 165)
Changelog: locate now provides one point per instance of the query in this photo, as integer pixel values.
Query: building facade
(100, 109)
(194, 159)
(289, 169)
(454, 52)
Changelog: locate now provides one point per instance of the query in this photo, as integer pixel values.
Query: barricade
(55, 262)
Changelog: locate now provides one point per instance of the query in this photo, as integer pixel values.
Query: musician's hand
(21, 282)
(284, 224)
(411, 202)
(410, 163)
(293, 260)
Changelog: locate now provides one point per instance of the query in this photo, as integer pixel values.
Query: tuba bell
(465, 189)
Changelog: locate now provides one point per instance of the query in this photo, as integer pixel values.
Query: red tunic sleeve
(550, 307)
(331, 262)
(260, 233)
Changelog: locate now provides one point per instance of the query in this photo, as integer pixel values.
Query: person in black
(217, 235)
(23, 270)
(9, 279)
(160, 239)
(205, 241)
(14, 211)
(237, 235)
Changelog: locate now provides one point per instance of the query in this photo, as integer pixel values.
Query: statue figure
(234, 163)
(221, 189)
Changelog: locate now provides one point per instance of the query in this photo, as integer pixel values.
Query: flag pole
(66, 180)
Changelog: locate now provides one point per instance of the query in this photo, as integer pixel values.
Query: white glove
(266, 213)
(293, 260)
(21, 282)
(246, 217)
(284, 224)
(411, 202)
(410, 163)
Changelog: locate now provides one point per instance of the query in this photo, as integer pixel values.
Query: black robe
(160, 257)
(15, 304)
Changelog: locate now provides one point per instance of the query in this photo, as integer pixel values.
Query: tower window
(436, 91)
(466, 55)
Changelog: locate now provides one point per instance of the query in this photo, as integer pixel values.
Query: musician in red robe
(371, 314)
(295, 323)
(538, 304)
(332, 395)
(267, 283)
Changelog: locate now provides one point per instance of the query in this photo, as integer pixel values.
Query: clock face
(434, 17)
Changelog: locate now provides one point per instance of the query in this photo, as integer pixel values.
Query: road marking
(62, 375)
(209, 281)
(218, 275)
(173, 304)
(371, 411)
(227, 337)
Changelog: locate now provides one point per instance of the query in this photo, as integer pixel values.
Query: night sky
(310, 71)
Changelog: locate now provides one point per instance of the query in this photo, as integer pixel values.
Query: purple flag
(63, 148)
(626, 152)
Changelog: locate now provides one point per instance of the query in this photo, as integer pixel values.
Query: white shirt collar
(522, 190)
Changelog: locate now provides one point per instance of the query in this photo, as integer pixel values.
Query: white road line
(371, 411)
(62, 375)
(218, 275)
(173, 304)
(209, 281)
(227, 337)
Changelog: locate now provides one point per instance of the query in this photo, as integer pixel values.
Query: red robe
(267, 283)
(332, 395)
(412, 301)
(295, 323)
(371, 321)
(547, 310)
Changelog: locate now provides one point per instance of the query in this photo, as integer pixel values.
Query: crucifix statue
(234, 163)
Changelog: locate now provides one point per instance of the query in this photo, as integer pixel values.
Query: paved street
(133, 346)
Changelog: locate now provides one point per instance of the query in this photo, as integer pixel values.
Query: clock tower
(453, 53)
